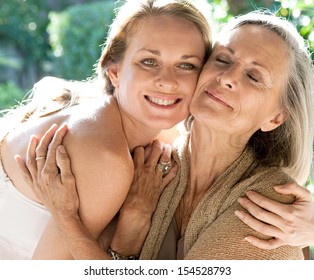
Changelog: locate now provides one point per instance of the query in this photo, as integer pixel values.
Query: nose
(167, 80)
(229, 78)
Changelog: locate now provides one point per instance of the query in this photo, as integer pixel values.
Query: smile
(162, 102)
(215, 97)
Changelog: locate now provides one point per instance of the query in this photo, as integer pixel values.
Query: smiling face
(157, 76)
(240, 87)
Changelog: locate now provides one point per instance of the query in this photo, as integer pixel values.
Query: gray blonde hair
(128, 18)
(289, 146)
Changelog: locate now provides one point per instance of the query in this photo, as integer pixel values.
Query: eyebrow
(155, 52)
(254, 62)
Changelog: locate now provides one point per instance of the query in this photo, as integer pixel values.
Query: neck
(137, 134)
(211, 153)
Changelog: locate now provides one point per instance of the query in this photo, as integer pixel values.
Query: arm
(225, 237)
(142, 199)
(58, 192)
(101, 194)
(59, 195)
(289, 224)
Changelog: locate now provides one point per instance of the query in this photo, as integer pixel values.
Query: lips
(215, 96)
(162, 101)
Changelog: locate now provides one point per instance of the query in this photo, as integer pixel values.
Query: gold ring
(40, 157)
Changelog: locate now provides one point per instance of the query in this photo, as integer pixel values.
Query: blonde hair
(51, 95)
(290, 146)
(129, 16)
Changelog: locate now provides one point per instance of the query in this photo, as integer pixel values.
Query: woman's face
(157, 76)
(240, 87)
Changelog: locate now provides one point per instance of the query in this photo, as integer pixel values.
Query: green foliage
(7, 60)
(10, 95)
(24, 23)
(76, 35)
(300, 13)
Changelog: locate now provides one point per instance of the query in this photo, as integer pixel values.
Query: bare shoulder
(101, 163)
(98, 126)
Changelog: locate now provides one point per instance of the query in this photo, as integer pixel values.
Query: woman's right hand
(48, 172)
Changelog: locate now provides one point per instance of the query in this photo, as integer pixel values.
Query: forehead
(164, 26)
(257, 44)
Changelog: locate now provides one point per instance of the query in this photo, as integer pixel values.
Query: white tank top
(22, 221)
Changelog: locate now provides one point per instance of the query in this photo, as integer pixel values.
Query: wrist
(63, 223)
(117, 256)
(130, 233)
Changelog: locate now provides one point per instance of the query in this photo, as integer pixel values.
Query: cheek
(188, 85)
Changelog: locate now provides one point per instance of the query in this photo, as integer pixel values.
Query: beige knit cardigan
(214, 232)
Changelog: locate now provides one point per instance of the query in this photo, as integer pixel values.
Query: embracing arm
(101, 194)
(288, 224)
(58, 193)
(225, 237)
(148, 184)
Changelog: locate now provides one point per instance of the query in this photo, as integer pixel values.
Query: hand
(148, 181)
(289, 224)
(48, 172)
(147, 186)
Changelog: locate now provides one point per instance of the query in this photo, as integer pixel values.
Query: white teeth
(162, 102)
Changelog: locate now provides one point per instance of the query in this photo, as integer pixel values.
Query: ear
(275, 122)
(113, 73)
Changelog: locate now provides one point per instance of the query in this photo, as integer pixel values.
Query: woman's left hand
(289, 224)
(48, 172)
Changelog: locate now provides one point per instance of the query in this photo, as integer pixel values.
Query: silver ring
(164, 167)
(40, 157)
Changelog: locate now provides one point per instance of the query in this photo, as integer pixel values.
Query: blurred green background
(63, 38)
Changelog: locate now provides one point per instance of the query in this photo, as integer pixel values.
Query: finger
(167, 179)
(155, 154)
(264, 244)
(166, 154)
(31, 156)
(299, 192)
(42, 149)
(257, 225)
(64, 164)
(138, 157)
(269, 204)
(260, 214)
(22, 167)
(54, 144)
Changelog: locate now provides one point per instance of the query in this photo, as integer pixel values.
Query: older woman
(147, 74)
(252, 126)
(253, 120)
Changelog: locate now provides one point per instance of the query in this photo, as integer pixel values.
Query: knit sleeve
(223, 239)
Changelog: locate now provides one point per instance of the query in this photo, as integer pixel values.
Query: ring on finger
(40, 157)
(164, 167)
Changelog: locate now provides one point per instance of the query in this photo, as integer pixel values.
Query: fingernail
(239, 214)
(248, 239)
(240, 200)
(61, 149)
